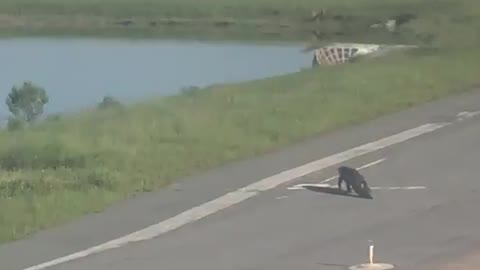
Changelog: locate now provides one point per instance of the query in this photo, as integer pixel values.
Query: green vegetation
(68, 166)
(272, 19)
(247, 9)
(26, 104)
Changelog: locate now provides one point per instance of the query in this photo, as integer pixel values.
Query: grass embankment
(64, 168)
(272, 19)
(81, 163)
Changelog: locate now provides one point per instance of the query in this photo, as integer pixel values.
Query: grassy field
(83, 162)
(247, 9)
(344, 19)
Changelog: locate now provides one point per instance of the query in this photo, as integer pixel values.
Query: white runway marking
(244, 193)
(297, 187)
(397, 188)
(303, 186)
(359, 168)
(466, 115)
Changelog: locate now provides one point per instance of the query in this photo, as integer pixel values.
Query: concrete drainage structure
(339, 53)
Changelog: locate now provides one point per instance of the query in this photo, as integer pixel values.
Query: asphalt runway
(305, 229)
(285, 228)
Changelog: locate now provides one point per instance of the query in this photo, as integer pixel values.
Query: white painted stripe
(359, 168)
(466, 115)
(372, 163)
(303, 186)
(244, 193)
(397, 188)
(329, 179)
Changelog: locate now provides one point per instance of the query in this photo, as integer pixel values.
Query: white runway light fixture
(372, 265)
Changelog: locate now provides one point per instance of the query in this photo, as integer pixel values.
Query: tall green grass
(222, 8)
(80, 163)
(444, 21)
(83, 162)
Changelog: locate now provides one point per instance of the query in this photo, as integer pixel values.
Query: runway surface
(424, 212)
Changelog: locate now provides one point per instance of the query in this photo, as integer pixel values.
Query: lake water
(79, 72)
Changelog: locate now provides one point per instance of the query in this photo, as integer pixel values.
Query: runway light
(372, 265)
(370, 252)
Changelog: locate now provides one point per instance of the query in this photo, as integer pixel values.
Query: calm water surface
(79, 72)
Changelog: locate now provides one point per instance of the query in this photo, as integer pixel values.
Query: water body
(79, 72)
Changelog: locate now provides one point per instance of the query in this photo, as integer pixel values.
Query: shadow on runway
(344, 266)
(335, 191)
